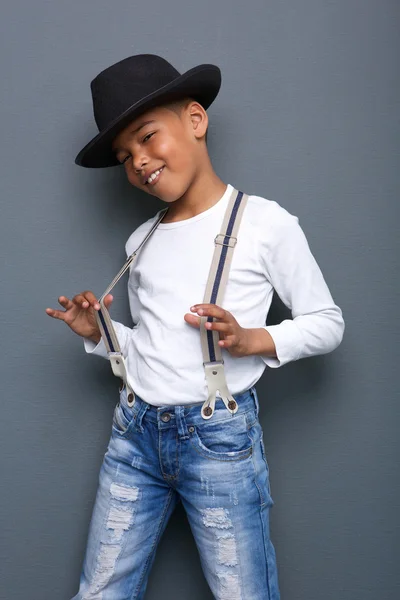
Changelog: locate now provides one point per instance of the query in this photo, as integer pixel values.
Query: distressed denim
(217, 468)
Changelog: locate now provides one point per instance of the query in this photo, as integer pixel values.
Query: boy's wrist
(95, 338)
(259, 341)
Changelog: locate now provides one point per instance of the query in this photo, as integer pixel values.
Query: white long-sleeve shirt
(169, 275)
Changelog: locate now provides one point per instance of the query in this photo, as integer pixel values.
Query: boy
(163, 449)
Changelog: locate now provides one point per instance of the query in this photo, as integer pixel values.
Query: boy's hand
(79, 314)
(233, 337)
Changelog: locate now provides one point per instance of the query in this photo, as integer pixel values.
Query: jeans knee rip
(120, 518)
(230, 589)
(219, 519)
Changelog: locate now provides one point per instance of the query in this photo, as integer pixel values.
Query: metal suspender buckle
(213, 362)
(231, 242)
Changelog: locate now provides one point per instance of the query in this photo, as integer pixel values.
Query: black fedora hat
(131, 86)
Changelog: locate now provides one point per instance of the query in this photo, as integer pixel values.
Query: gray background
(308, 115)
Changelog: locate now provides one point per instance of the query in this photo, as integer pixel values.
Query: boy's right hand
(79, 314)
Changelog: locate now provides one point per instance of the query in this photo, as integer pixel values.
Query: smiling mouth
(154, 177)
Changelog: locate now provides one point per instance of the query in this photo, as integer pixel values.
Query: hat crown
(133, 85)
(119, 86)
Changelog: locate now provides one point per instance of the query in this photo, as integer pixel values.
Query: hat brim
(201, 83)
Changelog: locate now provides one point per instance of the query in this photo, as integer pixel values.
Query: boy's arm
(317, 325)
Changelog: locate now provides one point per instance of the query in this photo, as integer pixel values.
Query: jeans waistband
(171, 415)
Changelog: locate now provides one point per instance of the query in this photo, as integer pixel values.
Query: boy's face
(164, 139)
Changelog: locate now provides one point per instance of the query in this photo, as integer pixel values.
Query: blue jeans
(158, 456)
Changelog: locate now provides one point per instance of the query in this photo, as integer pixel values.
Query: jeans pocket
(225, 439)
(123, 415)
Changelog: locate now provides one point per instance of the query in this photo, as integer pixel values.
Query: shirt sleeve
(123, 334)
(317, 324)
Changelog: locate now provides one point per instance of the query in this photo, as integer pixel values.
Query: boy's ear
(198, 119)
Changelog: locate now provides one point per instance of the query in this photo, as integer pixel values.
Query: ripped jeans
(158, 456)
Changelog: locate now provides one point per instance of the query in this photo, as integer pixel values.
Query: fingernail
(200, 311)
(97, 305)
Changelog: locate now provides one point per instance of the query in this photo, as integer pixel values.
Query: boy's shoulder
(263, 212)
(138, 234)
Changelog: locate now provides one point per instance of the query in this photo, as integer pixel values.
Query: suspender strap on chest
(225, 243)
(107, 330)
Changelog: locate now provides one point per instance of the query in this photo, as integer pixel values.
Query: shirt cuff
(288, 343)
(123, 334)
(93, 348)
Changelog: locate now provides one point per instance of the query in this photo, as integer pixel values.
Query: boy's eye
(148, 136)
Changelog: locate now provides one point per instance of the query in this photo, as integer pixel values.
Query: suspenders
(218, 276)
(213, 363)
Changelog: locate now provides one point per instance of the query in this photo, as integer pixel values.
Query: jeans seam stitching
(155, 543)
(265, 544)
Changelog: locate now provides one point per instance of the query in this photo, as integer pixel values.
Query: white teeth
(154, 175)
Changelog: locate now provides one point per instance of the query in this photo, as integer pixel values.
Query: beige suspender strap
(225, 243)
(105, 324)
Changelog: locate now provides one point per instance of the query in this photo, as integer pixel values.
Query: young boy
(163, 448)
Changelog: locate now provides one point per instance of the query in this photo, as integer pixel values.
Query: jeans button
(165, 417)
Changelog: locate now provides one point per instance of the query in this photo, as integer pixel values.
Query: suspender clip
(118, 365)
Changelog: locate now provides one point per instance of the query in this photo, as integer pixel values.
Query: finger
(56, 314)
(218, 326)
(212, 310)
(65, 302)
(192, 320)
(225, 343)
(80, 300)
(86, 299)
(228, 340)
(203, 306)
(91, 298)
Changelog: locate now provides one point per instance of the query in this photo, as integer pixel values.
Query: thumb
(107, 300)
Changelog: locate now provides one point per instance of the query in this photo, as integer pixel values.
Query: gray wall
(308, 115)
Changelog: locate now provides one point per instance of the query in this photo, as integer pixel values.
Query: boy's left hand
(233, 337)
